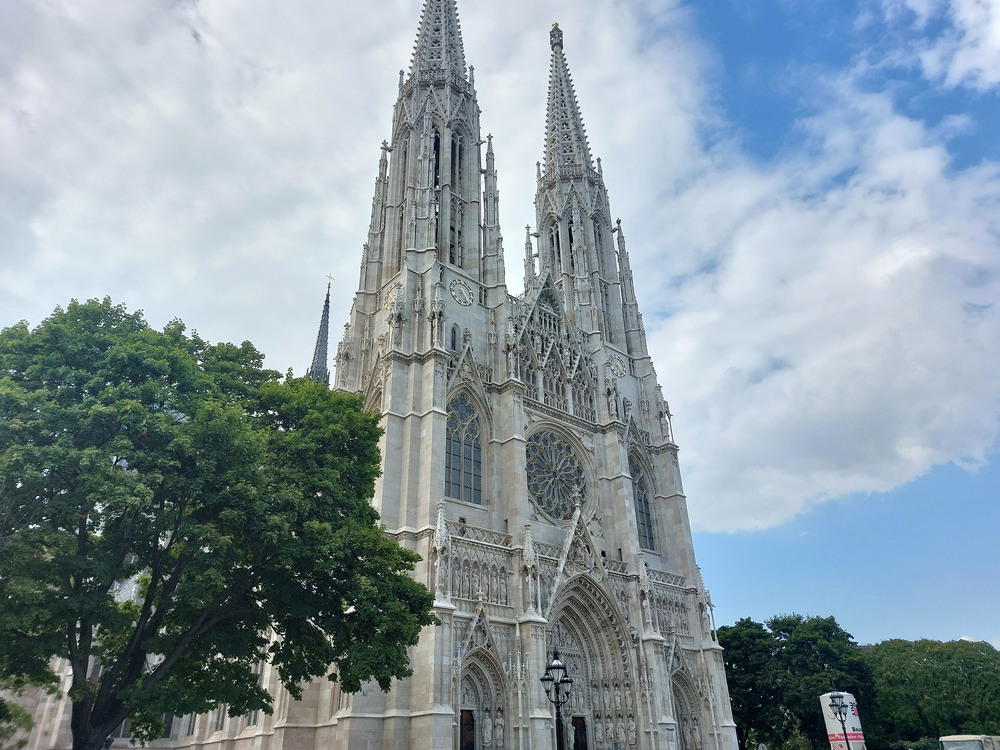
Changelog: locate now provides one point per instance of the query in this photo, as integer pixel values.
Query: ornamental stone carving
(554, 475)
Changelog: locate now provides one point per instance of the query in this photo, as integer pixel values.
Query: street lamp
(839, 708)
(557, 685)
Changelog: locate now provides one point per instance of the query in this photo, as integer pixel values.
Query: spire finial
(565, 137)
(556, 37)
(439, 39)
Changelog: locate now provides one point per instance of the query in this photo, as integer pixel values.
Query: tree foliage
(14, 721)
(931, 689)
(753, 677)
(780, 671)
(175, 513)
(910, 692)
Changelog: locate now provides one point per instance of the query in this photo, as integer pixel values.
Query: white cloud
(821, 325)
(845, 339)
(965, 51)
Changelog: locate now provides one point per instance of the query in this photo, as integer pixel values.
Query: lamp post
(839, 708)
(557, 685)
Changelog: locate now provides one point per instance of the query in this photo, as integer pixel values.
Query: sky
(810, 190)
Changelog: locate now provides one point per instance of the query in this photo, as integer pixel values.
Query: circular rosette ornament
(554, 474)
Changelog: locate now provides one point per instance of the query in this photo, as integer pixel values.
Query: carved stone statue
(487, 729)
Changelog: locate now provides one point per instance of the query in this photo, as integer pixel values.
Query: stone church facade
(527, 457)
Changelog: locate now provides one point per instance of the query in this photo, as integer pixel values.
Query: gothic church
(527, 457)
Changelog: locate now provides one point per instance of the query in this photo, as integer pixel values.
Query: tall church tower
(528, 453)
(527, 457)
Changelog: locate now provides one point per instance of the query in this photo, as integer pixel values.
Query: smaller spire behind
(319, 369)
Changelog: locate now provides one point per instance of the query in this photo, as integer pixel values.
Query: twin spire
(439, 56)
(439, 40)
(565, 137)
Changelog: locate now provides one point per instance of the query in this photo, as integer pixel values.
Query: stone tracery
(555, 476)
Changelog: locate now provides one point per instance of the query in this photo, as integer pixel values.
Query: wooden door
(467, 731)
(579, 733)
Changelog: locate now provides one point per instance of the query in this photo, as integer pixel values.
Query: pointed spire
(319, 369)
(565, 137)
(439, 39)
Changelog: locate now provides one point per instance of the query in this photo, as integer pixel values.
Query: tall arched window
(643, 514)
(463, 458)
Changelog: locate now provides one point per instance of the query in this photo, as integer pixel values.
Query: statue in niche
(468, 694)
(618, 698)
(441, 573)
(498, 732)
(631, 730)
(621, 731)
(598, 730)
(612, 395)
(487, 729)
(609, 730)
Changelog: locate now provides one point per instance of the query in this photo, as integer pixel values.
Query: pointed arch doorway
(482, 704)
(592, 639)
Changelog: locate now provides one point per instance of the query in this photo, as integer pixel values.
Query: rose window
(554, 472)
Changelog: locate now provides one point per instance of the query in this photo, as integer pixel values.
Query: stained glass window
(643, 515)
(554, 472)
(463, 458)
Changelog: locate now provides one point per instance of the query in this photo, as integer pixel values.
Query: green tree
(777, 672)
(930, 689)
(13, 720)
(816, 655)
(172, 512)
(753, 678)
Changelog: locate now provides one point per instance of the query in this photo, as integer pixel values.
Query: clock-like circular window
(554, 472)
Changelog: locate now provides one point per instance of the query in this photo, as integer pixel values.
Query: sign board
(855, 739)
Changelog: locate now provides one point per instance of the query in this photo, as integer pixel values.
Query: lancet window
(457, 162)
(463, 467)
(437, 159)
(455, 242)
(556, 247)
(643, 512)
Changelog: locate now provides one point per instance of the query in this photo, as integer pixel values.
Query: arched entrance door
(689, 730)
(482, 720)
(589, 632)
